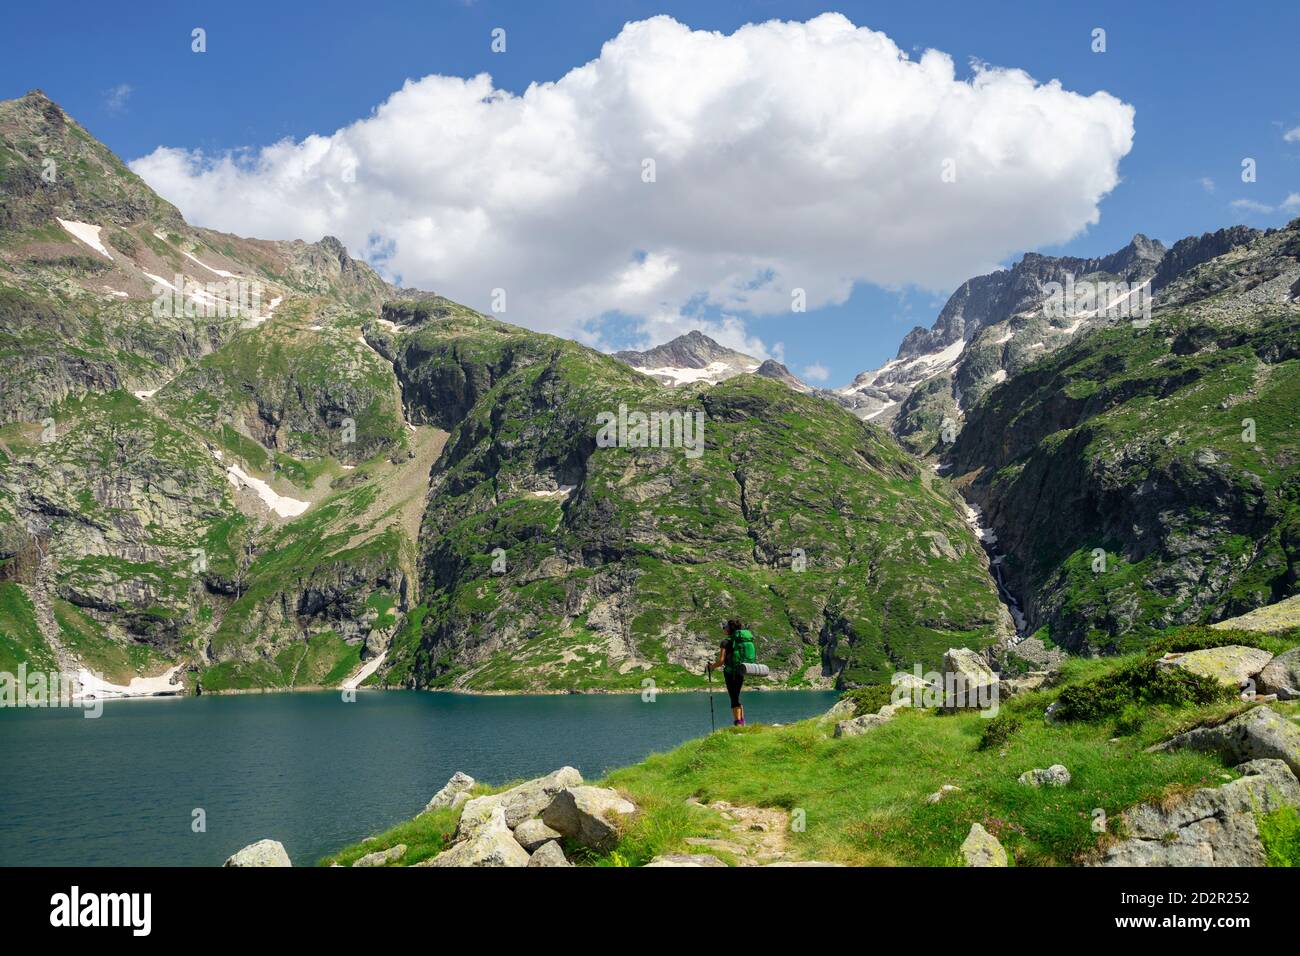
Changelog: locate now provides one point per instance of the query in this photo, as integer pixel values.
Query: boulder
(968, 681)
(492, 844)
(532, 833)
(1273, 619)
(859, 725)
(1232, 664)
(261, 853)
(548, 854)
(1034, 680)
(592, 816)
(382, 857)
(454, 790)
(1259, 733)
(519, 803)
(1213, 826)
(1054, 776)
(981, 848)
(686, 859)
(840, 710)
(1281, 676)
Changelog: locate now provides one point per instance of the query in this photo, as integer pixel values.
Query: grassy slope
(864, 797)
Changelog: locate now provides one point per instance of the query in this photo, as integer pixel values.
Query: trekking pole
(712, 723)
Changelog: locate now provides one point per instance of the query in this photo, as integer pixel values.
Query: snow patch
(221, 272)
(86, 233)
(281, 505)
(94, 686)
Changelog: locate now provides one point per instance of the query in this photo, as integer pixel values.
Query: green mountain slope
(613, 564)
(1146, 475)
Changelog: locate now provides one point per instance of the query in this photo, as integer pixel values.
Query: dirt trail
(760, 835)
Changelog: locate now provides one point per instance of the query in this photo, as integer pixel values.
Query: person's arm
(722, 658)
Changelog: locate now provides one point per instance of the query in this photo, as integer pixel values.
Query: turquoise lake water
(306, 769)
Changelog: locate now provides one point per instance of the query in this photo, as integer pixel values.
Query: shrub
(869, 698)
(999, 730)
(1139, 683)
(1130, 721)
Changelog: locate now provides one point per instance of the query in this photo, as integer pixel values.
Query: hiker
(734, 651)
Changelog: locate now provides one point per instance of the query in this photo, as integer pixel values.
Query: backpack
(743, 651)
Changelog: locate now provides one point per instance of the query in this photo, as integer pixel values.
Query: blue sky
(1210, 84)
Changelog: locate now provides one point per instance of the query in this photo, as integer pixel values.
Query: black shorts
(733, 686)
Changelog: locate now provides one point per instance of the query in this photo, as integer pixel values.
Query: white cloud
(1207, 184)
(1250, 205)
(1291, 203)
(1292, 135)
(115, 99)
(787, 155)
(817, 372)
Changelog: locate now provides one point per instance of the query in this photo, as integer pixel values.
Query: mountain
(689, 358)
(1146, 474)
(990, 328)
(248, 464)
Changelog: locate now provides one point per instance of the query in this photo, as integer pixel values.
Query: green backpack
(743, 651)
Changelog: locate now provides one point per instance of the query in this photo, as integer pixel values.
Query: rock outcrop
(1259, 733)
(1213, 826)
(453, 793)
(1232, 664)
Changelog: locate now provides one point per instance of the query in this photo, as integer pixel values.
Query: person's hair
(733, 626)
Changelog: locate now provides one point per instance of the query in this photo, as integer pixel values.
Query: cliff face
(1146, 474)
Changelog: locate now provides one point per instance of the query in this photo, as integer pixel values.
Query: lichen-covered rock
(840, 710)
(261, 853)
(968, 679)
(1259, 733)
(1054, 776)
(491, 844)
(1213, 826)
(981, 848)
(548, 854)
(1232, 664)
(518, 803)
(458, 785)
(859, 725)
(593, 816)
(533, 833)
(383, 857)
(1281, 676)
